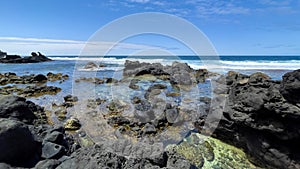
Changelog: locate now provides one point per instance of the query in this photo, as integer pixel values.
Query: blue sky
(235, 27)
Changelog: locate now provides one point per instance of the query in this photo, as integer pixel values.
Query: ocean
(274, 66)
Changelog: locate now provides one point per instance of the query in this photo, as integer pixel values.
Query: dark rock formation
(290, 86)
(14, 107)
(26, 138)
(55, 77)
(2, 54)
(180, 75)
(97, 157)
(135, 68)
(12, 78)
(34, 58)
(260, 120)
(17, 144)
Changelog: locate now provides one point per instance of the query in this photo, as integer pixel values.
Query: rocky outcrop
(262, 117)
(290, 86)
(17, 144)
(34, 58)
(178, 73)
(98, 157)
(12, 78)
(26, 137)
(2, 54)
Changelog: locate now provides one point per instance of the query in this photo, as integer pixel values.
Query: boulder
(135, 68)
(17, 145)
(72, 124)
(149, 129)
(70, 98)
(15, 107)
(40, 78)
(290, 86)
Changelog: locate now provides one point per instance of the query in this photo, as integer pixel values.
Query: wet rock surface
(30, 85)
(262, 117)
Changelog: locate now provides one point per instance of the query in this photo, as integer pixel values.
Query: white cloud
(139, 1)
(276, 2)
(218, 7)
(24, 46)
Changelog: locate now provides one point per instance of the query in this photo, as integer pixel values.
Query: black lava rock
(52, 150)
(17, 145)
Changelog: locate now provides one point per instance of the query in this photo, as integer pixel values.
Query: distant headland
(34, 58)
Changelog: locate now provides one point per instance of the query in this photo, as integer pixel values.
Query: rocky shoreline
(34, 58)
(260, 116)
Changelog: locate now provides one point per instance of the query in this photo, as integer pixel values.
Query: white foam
(196, 64)
(110, 60)
(264, 65)
(103, 69)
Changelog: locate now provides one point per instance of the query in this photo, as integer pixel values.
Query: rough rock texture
(34, 58)
(290, 86)
(97, 157)
(12, 78)
(178, 73)
(17, 145)
(26, 138)
(16, 108)
(261, 120)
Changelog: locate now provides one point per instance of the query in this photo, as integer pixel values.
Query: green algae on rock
(207, 152)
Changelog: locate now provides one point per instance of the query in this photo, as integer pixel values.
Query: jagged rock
(34, 54)
(2, 54)
(290, 86)
(201, 75)
(262, 122)
(72, 124)
(35, 58)
(15, 107)
(17, 144)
